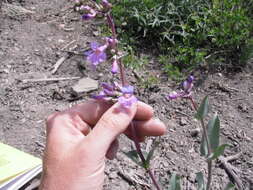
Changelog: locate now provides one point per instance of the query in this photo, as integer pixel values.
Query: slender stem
(209, 149)
(138, 149)
(153, 179)
(209, 178)
(114, 35)
(124, 82)
(136, 142)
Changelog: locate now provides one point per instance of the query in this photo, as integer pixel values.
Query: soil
(31, 44)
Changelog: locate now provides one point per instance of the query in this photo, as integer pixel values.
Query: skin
(81, 138)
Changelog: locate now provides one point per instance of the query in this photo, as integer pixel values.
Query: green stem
(143, 160)
(209, 149)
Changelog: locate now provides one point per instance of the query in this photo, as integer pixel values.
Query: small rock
(183, 121)
(85, 85)
(219, 74)
(195, 132)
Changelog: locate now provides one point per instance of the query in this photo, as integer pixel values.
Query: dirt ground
(31, 44)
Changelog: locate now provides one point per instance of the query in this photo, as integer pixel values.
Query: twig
(182, 113)
(233, 157)
(127, 178)
(130, 180)
(231, 171)
(59, 63)
(50, 79)
(64, 58)
(70, 43)
(15, 11)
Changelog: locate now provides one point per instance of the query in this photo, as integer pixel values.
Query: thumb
(112, 123)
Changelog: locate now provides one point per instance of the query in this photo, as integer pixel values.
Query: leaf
(203, 109)
(151, 152)
(229, 186)
(175, 182)
(200, 181)
(218, 152)
(214, 132)
(203, 146)
(133, 155)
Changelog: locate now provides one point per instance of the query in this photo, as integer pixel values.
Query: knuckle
(51, 120)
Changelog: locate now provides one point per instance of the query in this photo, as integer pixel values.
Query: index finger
(92, 110)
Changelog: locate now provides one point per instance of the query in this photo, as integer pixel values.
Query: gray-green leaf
(203, 109)
(214, 132)
(218, 152)
(133, 155)
(200, 181)
(229, 186)
(151, 152)
(203, 147)
(175, 182)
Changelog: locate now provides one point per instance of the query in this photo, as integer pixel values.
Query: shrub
(188, 32)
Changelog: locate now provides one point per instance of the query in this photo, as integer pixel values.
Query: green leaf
(151, 152)
(133, 155)
(203, 147)
(175, 182)
(203, 109)
(200, 181)
(218, 152)
(229, 186)
(214, 132)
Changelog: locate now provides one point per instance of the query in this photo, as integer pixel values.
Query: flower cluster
(98, 52)
(123, 94)
(186, 90)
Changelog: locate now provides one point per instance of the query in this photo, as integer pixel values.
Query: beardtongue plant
(115, 92)
(210, 146)
(122, 92)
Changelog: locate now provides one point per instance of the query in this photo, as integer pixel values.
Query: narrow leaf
(200, 181)
(151, 152)
(203, 109)
(218, 152)
(214, 132)
(175, 182)
(229, 186)
(203, 147)
(133, 155)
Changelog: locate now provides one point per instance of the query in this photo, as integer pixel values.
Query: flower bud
(106, 4)
(115, 66)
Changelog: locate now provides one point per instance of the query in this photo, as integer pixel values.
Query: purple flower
(112, 42)
(185, 92)
(124, 95)
(91, 13)
(188, 84)
(127, 99)
(106, 4)
(127, 102)
(97, 54)
(108, 86)
(115, 66)
(100, 96)
(127, 89)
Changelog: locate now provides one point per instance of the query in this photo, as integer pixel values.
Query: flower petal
(94, 45)
(127, 89)
(127, 101)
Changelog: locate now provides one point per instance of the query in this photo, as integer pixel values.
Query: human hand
(80, 138)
